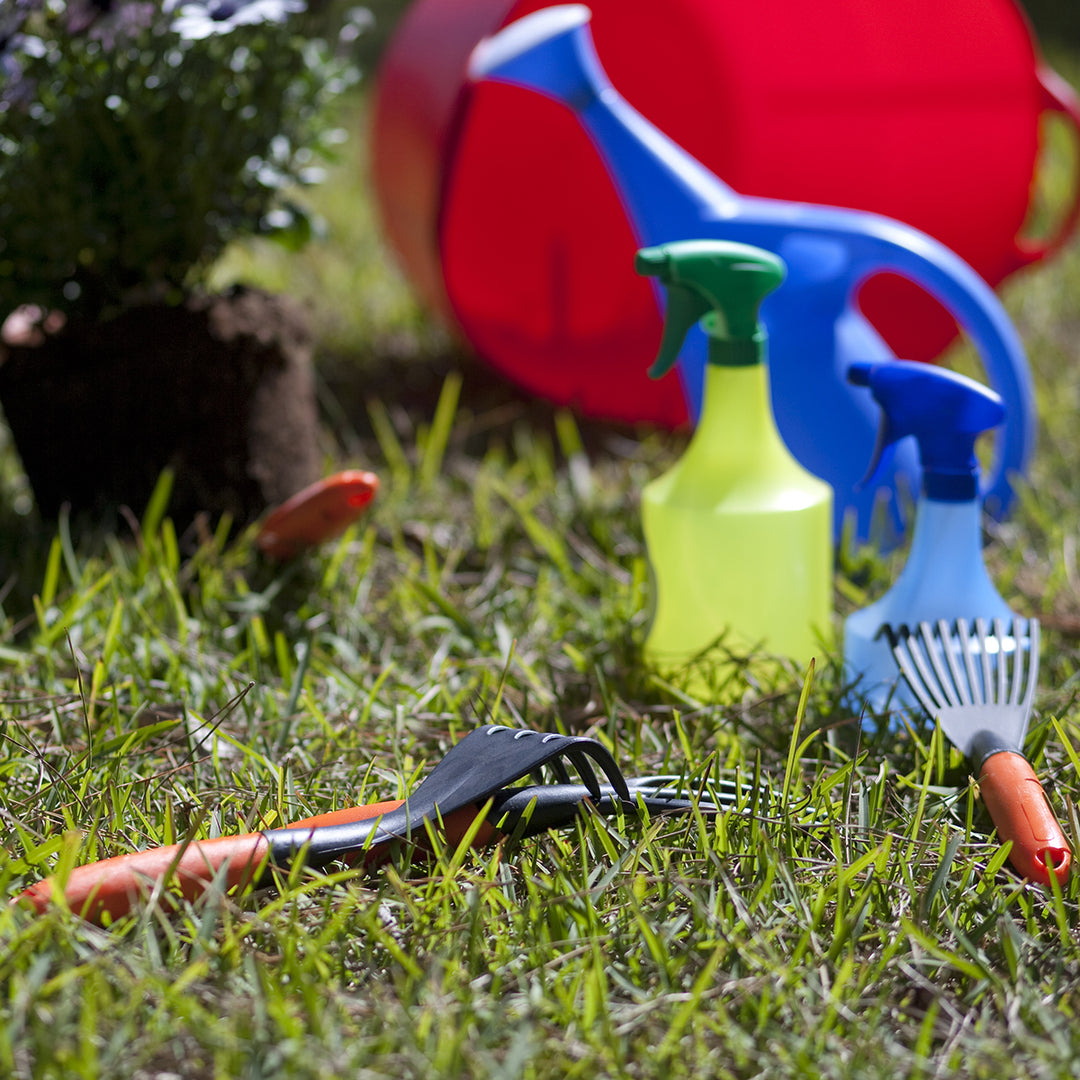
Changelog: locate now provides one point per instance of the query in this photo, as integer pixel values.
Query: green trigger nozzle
(716, 280)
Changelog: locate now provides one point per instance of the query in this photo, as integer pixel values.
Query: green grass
(861, 923)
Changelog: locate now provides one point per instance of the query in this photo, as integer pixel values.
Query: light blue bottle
(945, 576)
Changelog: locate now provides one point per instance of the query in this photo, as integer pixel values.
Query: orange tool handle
(317, 513)
(1022, 813)
(454, 826)
(113, 886)
(350, 813)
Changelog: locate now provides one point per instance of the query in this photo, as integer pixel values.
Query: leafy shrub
(138, 138)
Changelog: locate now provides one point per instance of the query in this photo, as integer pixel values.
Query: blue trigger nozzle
(945, 412)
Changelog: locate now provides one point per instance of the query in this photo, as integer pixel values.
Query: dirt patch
(220, 389)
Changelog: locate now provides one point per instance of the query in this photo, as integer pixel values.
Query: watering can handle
(1060, 98)
(972, 303)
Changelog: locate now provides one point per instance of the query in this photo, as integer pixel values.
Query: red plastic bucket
(506, 223)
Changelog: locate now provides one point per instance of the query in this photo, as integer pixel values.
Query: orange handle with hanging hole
(1022, 813)
(318, 512)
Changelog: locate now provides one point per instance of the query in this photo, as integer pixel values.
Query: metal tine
(1020, 668)
(1033, 628)
(987, 674)
(656, 782)
(920, 653)
(585, 771)
(579, 753)
(963, 634)
(676, 786)
(683, 782)
(1034, 631)
(559, 769)
(904, 653)
(934, 648)
(1002, 679)
(959, 681)
(659, 785)
(672, 786)
(657, 799)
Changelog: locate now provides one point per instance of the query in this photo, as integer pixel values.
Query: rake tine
(902, 650)
(934, 649)
(1032, 660)
(920, 658)
(1002, 682)
(923, 654)
(987, 674)
(579, 754)
(958, 679)
(559, 769)
(963, 634)
(586, 772)
(1018, 668)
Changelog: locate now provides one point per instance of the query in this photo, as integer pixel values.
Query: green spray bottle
(739, 534)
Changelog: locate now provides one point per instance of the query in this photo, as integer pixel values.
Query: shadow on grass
(489, 404)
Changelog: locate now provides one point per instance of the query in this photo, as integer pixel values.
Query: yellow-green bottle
(739, 534)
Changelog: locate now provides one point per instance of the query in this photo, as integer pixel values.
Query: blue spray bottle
(945, 576)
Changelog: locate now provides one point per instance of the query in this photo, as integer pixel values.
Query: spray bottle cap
(946, 413)
(721, 282)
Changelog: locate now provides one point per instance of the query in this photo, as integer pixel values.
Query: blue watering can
(815, 327)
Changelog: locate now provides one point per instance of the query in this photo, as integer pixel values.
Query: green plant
(137, 139)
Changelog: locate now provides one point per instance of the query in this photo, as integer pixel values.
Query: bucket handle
(1057, 97)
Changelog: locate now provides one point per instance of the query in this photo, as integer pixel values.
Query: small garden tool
(983, 703)
(318, 512)
(477, 769)
(943, 414)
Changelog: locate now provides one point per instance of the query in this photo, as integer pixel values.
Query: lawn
(856, 918)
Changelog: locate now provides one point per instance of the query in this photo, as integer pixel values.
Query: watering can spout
(663, 189)
(545, 52)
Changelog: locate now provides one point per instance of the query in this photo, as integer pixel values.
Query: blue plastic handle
(814, 324)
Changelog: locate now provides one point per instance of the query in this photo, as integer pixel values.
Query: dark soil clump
(219, 389)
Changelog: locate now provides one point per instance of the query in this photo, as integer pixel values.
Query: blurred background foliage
(1054, 20)
(97, 209)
